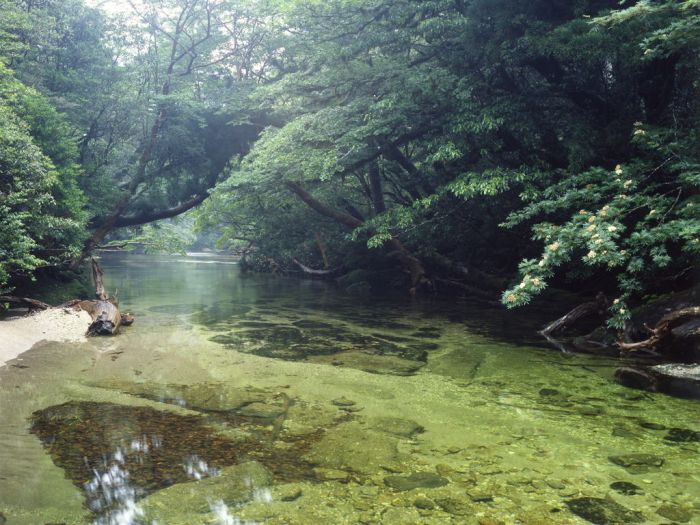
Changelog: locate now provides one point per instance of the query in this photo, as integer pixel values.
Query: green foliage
(41, 219)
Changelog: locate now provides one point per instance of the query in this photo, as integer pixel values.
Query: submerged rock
(343, 402)
(309, 324)
(350, 446)
(638, 463)
(427, 332)
(152, 448)
(682, 435)
(374, 364)
(416, 480)
(234, 485)
(603, 511)
(673, 379)
(626, 488)
(202, 397)
(261, 410)
(421, 502)
(674, 513)
(397, 426)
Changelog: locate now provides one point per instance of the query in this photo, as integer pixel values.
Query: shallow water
(257, 399)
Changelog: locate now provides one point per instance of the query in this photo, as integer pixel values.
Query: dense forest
(488, 148)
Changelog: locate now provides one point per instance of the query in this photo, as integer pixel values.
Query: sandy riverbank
(19, 334)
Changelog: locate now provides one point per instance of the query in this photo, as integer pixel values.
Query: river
(239, 399)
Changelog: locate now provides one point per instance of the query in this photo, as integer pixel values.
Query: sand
(19, 334)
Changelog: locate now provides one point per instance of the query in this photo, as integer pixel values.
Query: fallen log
(32, 304)
(584, 310)
(312, 272)
(106, 317)
(661, 335)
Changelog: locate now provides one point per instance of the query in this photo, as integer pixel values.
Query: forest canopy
(491, 148)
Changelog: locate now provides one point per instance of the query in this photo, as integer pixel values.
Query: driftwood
(662, 334)
(582, 311)
(314, 273)
(106, 317)
(32, 304)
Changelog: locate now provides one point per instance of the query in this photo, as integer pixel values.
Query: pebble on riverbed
(603, 511)
(638, 463)
(416, 480)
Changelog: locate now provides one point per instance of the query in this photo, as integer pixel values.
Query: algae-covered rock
(151, 449)
(203, 397)
(638, 463)
(233, 486)
(374, 364)
(350, 446)
(682, 435)
(416, 480)
(626, 488)
(397, 426)
(674, 513)
(603, 511)
(261, 410)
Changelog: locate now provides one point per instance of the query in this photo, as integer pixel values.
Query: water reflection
(118, 454)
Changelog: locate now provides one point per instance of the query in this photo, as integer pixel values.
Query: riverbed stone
(372, 363)
(233, 486)
(626, 488)
(416, 480)
(401, 516)
(350, 446)
(343, 402)
(454, 506)
(682, 435)
(638, 463)
(674, 513)
(421, 502)
(330, 474)
(548, 392)
(651, 426)
(603, 511)
(290, 492)
(397, 426)
(261, 410)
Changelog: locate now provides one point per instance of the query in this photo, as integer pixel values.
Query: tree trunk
(375, 185)
(662, 335)
(32, 304)
(322, 248)
(596, 307)
(411, 265)
(105, 312)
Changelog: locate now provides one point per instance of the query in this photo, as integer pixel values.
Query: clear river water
(241, 399)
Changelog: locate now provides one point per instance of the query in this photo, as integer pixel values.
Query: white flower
(591, 254)
(627, 183)
(616, 301)
(612, 228)
(618, 169)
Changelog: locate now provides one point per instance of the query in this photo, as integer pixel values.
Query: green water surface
(259, 399)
